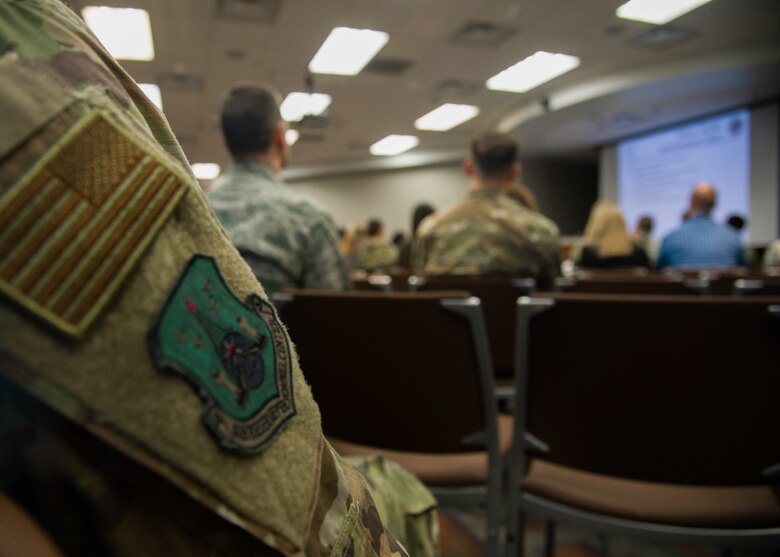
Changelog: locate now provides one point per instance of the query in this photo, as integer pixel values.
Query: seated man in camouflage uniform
(374, 252)
(151, 402)
(287, 239)
(488, 233)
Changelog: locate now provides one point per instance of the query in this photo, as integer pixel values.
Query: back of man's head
(703, 198)
(645, 224)
(736, 222)
(374, 227)
(249, 115)
(494, 154)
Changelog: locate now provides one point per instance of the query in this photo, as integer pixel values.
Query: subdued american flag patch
(74, 226)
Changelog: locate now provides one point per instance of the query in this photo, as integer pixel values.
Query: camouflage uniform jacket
(284, 236)
(150, 401)
(375, 253)
(487, 234)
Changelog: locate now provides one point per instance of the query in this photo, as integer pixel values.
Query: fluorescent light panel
(205, 170)
(153, 92)
(297, 105)
(657, 11)
(346, 51)
(446, 117)
(394, 145)
(125, 32)
(291, 136)
(538, 68)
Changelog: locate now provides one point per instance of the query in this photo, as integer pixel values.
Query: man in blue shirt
(700, 242)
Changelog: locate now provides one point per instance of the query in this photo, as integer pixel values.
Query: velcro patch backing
(75, 225)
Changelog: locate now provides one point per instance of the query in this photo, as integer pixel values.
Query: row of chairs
(654, 415)
(616, 281)
(498, 295)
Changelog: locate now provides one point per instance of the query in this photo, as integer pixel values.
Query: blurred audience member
(374, 252)
(421, 211)
(349, 244)
(489, 233)
(286, 238)
(643, 237)
(737, 222)
(700, 242)
(772, 256)
(606, 242)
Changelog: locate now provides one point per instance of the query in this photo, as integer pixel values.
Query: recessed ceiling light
(291, 136)
(394, 145)
(125, 32)
(538, 68)
(446, 117)
(657, 12)
(346, 51)
(205, 170)
(152, 91)
(297, 105)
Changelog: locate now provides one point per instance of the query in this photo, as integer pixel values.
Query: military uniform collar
(251, 166)
(485, 193)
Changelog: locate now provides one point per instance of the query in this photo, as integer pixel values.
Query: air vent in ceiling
(455, 89)
(481, 34)
(235, 54)
(180, 81)
(662, 38)
(255, 11)
(388, 66)
(313, 122)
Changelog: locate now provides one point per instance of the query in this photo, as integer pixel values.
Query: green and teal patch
(237, 355)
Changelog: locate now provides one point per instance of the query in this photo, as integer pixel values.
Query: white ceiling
(722, 55)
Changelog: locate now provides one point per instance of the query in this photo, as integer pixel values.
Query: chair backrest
(399, 277)
(371, 282)
(760, 286)
(498, 295)
(677, 389)
(637, 284)
(408, 372)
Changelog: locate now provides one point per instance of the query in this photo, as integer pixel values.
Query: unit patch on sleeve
(73, 227)
(237, 355)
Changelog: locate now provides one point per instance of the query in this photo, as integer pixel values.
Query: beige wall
(390, 195)
(565, 192)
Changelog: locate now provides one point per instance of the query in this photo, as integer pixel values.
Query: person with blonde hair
(606, 242)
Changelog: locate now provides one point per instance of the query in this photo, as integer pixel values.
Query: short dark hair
(374, 227)
(494, 154)
(645, 223)
(736, 222)
(249, 115)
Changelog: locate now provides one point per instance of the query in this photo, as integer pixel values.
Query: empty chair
(408, 376)
(656, 416)
(499, 296)
(636, 284)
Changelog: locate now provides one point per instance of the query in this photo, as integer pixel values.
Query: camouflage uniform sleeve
(346, 519)
(324, 266)
(419, 254)
(407, 507)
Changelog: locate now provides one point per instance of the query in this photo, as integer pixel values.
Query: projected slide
(656, 172)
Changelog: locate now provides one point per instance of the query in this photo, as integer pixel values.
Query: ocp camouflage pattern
(487, 234)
